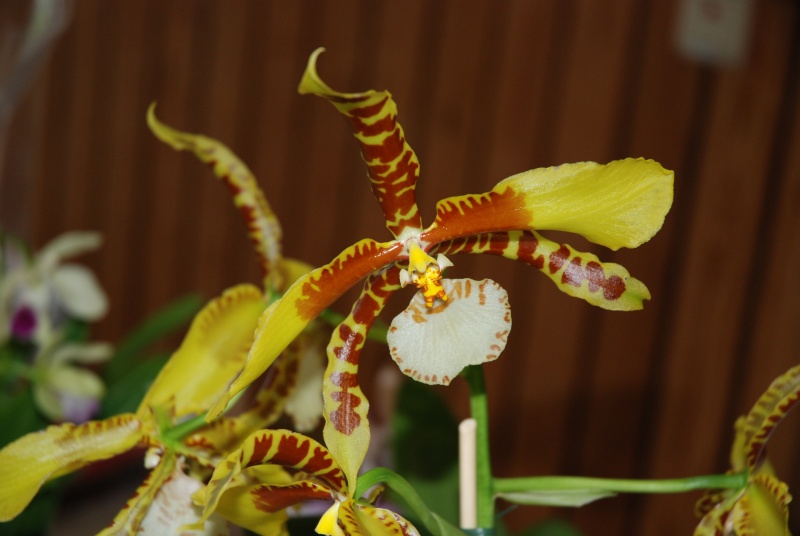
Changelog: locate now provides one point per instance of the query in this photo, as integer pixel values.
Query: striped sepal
(392, 166)
(305, 299)
(277, 448)
(770, 409)
(581, 275)
(262, 224)
(345, 407)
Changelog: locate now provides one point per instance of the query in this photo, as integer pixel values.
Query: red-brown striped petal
(262, 224)
(768, 412)
(346, 429)
(392, 166)
(304, 300)
(581, 275)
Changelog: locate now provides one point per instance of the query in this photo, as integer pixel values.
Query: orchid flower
(452, 323)
(63, 391)
(37, 296)
(305, 356)
(761, 506)
(244, 487)
(180, 445)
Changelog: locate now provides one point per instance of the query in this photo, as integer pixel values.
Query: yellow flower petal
(433, 344)
(212, 353)
(620, 204)
(29, 462)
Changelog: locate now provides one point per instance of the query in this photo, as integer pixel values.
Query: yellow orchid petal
(240, 505)
(30, 461)
(346, 430)
(392, 166)
(212, 353)
(433, 344)
(329, 522)
(262, 224)
(277, 448)
(620, 204)
(305, 299)
(366, 520)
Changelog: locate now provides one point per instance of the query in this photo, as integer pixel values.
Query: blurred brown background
(485, 90)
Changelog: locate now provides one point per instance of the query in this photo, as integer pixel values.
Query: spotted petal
(346, 429)
(30, 461)
(433, 344)
(211, 354)
(305, 299)
(620, 204)
(392, 166)
(578, 274)
(262, 224)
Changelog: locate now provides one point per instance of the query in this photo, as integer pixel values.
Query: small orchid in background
(39, 294)
(761, 505)
(45, 304)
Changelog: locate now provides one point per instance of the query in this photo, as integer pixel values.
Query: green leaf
(19, 416)
(174, 316)
(571, 497)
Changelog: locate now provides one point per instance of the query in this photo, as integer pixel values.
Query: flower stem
(673, 485)
(479, 409)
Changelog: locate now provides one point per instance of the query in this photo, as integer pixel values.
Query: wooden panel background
(485, 90)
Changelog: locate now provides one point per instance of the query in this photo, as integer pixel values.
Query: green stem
(479, 409)
(432, 521)
(566, 483)
(175, 434)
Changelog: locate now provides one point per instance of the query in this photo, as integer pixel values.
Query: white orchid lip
(433, 344)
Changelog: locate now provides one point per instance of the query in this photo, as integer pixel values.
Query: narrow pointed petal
(262, 224)
(392, 166)
(581, 275)
(620, 204)
(346, 429)
(305, 299)
(768, 412)
(211, 354)
(29, 462)
(433, 344)
(279, 448)
(366, 520)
